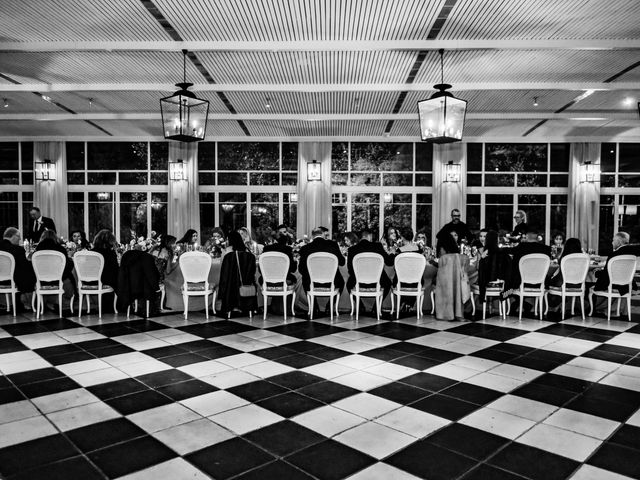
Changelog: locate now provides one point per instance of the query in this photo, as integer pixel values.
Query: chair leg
(6, 299)
(80, 298)
(99, 305)
(162, 295)
(609, 308)
(60, 304)
(484, 309)
(115, 300)
(147, 311)
(563, 302)
(618, 310)
(206, 307)
(338, 305)
(357, 307)
(573, 306)
(351, 301)
(628, 306)
(590, 302)
(331, 306)
(546, 303)
(520, 309)
(73, 297)
(378, 305)
(185, 301)
(284, 306)
(293, 304)
(13, 301)
(433, 302)
(264, 307)
(213, 301)
(582, 306)
(310, 300)
(393, 294)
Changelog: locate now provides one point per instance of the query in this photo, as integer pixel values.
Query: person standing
(38, 225)
(521, 229)
(458, 226)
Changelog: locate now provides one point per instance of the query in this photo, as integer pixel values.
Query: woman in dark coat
(228, 291)
(572, 245)
(494, 265)
(104, 243)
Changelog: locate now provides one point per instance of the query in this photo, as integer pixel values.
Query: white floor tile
(571, 346)
(622, 381)
(375, 439)
(589, 472)
(83, 367)
(267, 369)
(328, 420)
(495, 382)
(12, 412)
(366, 405)
(452, 371)
(534, 339)
(97, 377)
(142, 368)
(229, 378)
(582, 423)
(498, 423)
(634, 419)
(523, 407)
(328, 370)
(358, 362)
(561, 442)
(391, 371)
(579, 372)
(202, 369)
(474, 363)
(41, 340)
(192, 436)
(63, 400)
(594, 364)
(382, 471)
(214, 402)
(165, 416)
(175, 469)
(355, 346)
(246, 419)
(83, 415)
(515, 372)
(361, 380)
(127, 359)
(24, 430)
(413, 422)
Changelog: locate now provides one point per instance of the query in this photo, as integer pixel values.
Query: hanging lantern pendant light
(184, 116)
(442, 116)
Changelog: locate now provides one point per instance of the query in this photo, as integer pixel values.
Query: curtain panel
(583, 202)
(314, 198)
(183, 209)
(448, 195)
(51, 196)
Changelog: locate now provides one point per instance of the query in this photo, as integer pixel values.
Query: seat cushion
(368, 289)
(50, 287)
(278, 288)
(568, 289)
(195, 287)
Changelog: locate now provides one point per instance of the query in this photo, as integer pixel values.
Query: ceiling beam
(324, 45)
(96, 116)
(316, 87)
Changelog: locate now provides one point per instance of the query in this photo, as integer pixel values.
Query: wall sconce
(44, 170)
(388, 197)
(102, 196)
(452, 172)
(631, 210)
(293, 197)
(590, 173)
(177, 170)
(313, 171)
(227, 207)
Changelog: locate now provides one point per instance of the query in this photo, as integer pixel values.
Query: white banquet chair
(322, 267)
(89, 266)
(367, 268)
(274, 267)
(195, 267)
(48, 266)
(621, 271)
(409, 268)
(494, 289)
(574, 269)
(7, 268)
(533, 271)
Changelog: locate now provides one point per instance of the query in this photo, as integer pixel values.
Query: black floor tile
(71, 468)
(328, 391)
(439, 354)
(24, 328)
(614, 394)
(228, 459)
(4, 382)
(48, 387)
(137, 402)
(416, 361)
(501, 334)
(284, 438)
(110, 351)
(218, 351)
(487, 472)
(627, 436)
(427, 381)
(145, 325)
(535, 363)
(295, 380)
(71, 357)
(442, 464)
(167, 351)
(410, 348)
(328, 353)
(48, 352)
(35, 453)
(197, 345)
(299, 360)
(164, 377)
(183, 359)
(618, 459)
(445, 407)
(468, 441)
(601, 407)
(383, 353)
(117, 388)
(183, 390)
(492, 353)
(203, 330)
(258, 390)
(542, 393)
(533, 463)
(272, 353)
(32, 376)
(330, 460)
(400, 393)
(564, 383)
(551, 356)
(58, 324)
(123, 458)
(472, 393)
(113, 329)
(10, 345)
(91, 345)
(275, 470)
(104, 434)
(561, 329)
(290, 404)
(302, 347)
(10, 395)
(606, 356)
(628, 351)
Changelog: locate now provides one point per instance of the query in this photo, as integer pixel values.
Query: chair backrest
(322, 267)
(622, 269)
(410, 267)
(195, 266)
(534, 268)
(89, 266)
(574, 268)
(49, 265)
(7, 267)
(368, 267)
(274, 266)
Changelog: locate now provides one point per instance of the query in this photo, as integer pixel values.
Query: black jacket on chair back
(365, 246)
(23, 274)
(320, 244)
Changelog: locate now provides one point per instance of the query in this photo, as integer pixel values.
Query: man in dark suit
(38, 225)
(620, 247)
(458, 226)
(282, 245)
(529, 245)
(23, 274)
(320, 244)
(366, 244)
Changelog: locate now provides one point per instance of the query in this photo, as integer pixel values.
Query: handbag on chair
(245, 290)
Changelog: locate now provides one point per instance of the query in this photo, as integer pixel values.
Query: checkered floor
(166, 398)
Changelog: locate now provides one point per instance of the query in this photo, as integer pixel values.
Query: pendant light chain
(184, 66)
(441, 51)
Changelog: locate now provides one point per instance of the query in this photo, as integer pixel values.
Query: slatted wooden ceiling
(328, 68)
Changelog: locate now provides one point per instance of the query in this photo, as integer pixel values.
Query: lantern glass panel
(184, 118)
(442, 119)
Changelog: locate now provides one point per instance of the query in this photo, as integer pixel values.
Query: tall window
(121, 186)
(247, 184)
(379, 184)
(503, 178)
(16, 184)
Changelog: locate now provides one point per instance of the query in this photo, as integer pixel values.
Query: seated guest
(529, 244)
(163, 255)
(456, 225)
(282, 246)
(50, 241)
(391, 239)
(38, 225)
(217, 242)
(366, 245)
(494, 264)
(325, 232)
(620, 247)
(479, 242)
(189, 238)
(104, 243)
(406, 241)
(421, 239)
(558, 245)
(252, 246)
(80, 239)
(319, 244)
(452, 289)
(573, 245)
(349, 239)
(23, 275)
(238, 263)
(521, 227)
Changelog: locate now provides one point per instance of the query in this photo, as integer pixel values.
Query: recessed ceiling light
(268, 103)
(535, 101)
(6, 103)
(627, 102)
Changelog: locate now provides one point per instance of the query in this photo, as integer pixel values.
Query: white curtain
(314, 198)
(51, 196)
(583, 212)
(448, 195)
(183, 209)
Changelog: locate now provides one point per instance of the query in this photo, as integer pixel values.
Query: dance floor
(166, 398)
